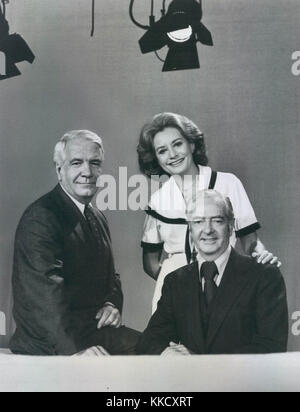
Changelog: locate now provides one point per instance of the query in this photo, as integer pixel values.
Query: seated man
(67, 295)
(223, 303)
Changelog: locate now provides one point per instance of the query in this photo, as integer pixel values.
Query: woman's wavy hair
(148, 162)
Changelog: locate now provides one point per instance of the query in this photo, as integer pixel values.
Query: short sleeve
(151, 239)
(245, 218)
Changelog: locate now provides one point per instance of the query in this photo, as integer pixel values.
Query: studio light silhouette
(180, 29)
(13, 50)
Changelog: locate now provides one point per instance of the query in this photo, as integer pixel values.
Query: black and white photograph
(150, 191)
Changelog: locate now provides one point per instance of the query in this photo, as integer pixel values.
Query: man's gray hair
(60, 147)
(196, 203)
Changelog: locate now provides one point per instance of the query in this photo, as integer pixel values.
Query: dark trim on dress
(248, 230)
(213, 180)
(180, 221)
(188, 251)
(164, 219)
(152, 247)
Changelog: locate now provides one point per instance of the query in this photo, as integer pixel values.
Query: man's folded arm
(271, 315)
(162, 327)
(38, 282)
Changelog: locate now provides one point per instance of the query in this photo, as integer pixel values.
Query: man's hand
(95, 351)
(263, 256)
(176, 350)
(109, 316)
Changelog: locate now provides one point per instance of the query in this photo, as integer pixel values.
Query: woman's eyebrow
(178, 139)
(160, 147)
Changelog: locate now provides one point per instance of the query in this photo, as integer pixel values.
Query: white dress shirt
(80, 206)
(221, 263)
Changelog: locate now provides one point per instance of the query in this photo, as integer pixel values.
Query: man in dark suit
(223, 303)
(67, 295)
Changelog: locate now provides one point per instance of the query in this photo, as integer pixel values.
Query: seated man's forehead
(208, 208)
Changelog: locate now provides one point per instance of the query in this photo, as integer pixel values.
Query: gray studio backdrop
(245, 98)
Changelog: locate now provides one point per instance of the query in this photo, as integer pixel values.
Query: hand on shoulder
(265, 257)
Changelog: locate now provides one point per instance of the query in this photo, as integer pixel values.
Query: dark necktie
(94, 225)
(209, 271)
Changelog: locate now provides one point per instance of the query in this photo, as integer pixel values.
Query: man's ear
(58, 168)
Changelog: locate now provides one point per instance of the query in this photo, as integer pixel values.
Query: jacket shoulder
(43, 210)
(182, 273)
(263, 273)
(270, 273)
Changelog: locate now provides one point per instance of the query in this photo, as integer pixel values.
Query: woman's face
(174, 153)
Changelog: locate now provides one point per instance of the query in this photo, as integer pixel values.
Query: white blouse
(166, 223)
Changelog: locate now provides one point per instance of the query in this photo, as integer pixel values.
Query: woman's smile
(174, 152)
(177, 162)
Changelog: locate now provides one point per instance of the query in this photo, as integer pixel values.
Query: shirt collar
(80, 206)
(221, 262)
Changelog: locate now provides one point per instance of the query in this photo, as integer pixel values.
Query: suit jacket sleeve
(114, 294)
(271, 315)
(162, 327)
(38, 284)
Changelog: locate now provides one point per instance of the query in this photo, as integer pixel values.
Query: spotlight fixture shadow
(180, 30)
(13, 50)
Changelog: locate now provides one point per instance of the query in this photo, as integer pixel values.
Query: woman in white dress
(173, 145)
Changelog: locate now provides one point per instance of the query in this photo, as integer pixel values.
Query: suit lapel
(233, 282)
(72, 216)
(194, 320)
(78, 230)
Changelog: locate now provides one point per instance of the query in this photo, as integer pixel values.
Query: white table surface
(275, 373)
